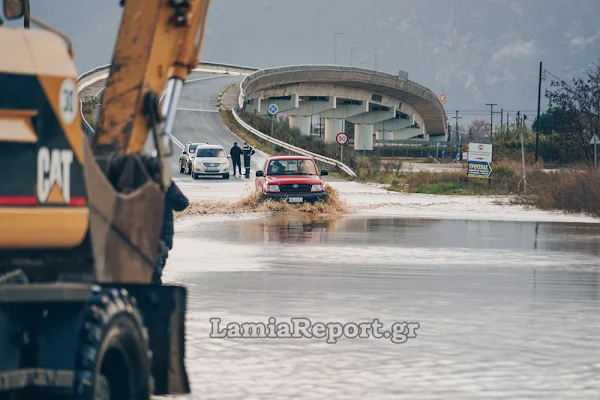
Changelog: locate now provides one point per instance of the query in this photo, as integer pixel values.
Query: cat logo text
(54, 175)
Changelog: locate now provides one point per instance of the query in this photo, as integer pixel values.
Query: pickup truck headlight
(273, 188)
(316, 188)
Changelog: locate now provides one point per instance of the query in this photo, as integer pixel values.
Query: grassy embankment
(575, 189)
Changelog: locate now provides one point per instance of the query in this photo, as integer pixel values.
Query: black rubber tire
(113, 359)
(194, 176)
(226, 176)
(181, 169)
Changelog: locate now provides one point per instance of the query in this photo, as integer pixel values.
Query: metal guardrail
(419, 142)
(226, 66)
(201, 64)
(275, 70)
(287, 146)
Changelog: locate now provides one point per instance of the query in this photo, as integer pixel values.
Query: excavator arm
(158, 44)
(80, 220)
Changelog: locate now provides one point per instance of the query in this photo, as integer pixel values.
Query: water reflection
(403, 232)
(507, 309)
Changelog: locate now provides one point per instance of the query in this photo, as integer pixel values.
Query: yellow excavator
(80, 218)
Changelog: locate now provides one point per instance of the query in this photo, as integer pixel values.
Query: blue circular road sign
(273, 109)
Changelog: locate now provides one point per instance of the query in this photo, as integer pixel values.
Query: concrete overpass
(390, 105)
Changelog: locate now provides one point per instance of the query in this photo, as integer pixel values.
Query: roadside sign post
(341, 139)
(479, 160)
(595, 142)
(273, 109)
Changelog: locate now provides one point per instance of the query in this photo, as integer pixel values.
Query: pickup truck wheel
(113, 358)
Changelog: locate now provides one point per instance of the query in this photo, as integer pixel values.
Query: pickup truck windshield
(219, 153)
(292, 167)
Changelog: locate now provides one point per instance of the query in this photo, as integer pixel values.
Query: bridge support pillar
(333, 126)
(302, 123)
(384, 135)
(363, 136)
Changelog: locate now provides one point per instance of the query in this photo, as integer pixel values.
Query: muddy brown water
(505, 310)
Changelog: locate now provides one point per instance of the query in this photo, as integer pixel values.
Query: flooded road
(504, 309)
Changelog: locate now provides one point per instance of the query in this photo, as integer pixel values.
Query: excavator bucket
(126, 213)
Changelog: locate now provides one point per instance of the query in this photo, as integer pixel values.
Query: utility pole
(375, 61)
(491, 119)
(518, 119)
(335, 45)
(507, 122)
(537, 125)
(456, 128)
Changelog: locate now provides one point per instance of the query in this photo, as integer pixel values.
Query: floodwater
(505, 310)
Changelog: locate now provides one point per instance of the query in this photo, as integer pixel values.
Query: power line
(556, 77)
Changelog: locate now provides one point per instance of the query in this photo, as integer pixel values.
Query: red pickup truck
(292, 178)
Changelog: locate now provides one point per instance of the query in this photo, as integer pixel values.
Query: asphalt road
(198, 119)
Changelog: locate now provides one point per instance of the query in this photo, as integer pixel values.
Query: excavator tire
(114, 360)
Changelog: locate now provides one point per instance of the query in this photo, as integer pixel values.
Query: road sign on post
(595, 141)
(341, 139)
(479, 160)
(273, 111)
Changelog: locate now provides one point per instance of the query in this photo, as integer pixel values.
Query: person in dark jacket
(175, 200)
(248, 151)
(236, 154)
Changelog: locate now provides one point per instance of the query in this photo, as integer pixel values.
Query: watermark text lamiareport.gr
(304, 328)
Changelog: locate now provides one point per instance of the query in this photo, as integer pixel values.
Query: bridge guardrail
(268, 71)
(287, 146)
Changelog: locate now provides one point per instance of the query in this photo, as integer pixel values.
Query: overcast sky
(474, 51)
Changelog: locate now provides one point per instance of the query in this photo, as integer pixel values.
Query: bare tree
(578, 105)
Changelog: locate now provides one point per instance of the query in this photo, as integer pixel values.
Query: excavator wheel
(114, 361)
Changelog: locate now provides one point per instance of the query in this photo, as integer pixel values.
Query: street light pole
(351, 51)
(335, 45)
